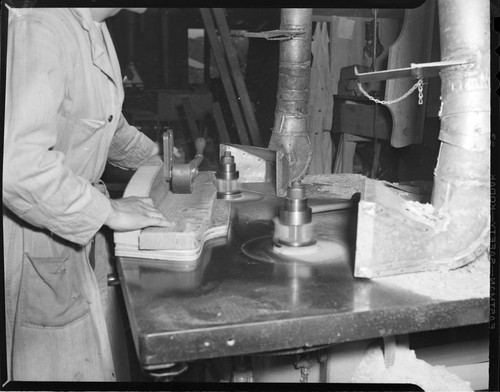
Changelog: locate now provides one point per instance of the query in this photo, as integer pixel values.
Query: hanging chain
(419, 85)
(420, 92)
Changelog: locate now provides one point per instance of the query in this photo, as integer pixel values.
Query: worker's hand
(132, 213)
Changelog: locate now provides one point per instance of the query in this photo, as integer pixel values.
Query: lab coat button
(110, 118)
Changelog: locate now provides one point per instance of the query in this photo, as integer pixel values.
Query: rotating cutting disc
(323, 251)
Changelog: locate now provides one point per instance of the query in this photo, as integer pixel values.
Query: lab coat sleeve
(37, 186)
(130, 148)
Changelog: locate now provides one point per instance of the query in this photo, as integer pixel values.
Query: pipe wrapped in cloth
(290, 124)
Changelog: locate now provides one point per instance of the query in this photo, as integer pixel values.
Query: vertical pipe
(462, 174)
(289, 133)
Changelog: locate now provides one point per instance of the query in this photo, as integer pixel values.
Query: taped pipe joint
(289, 132)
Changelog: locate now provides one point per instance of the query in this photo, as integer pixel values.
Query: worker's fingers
(133, 213)
(161, 222)
(152, 212)
(146, 206)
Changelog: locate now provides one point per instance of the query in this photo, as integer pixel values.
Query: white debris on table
(341, 186)
(469, 281)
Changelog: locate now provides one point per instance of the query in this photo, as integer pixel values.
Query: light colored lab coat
(63, 120)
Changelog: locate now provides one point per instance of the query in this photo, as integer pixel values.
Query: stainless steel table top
(234, 305)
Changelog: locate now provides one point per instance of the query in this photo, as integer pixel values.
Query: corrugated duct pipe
(290, 125)
(461, 192)
(455, 230)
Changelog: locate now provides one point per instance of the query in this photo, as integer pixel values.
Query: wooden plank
(239, 82)
(337, 164)
(220, 124)
(190, 118)
(191, 214)
(345, 153)
(199, 217)
(220, 60)
(140, 185)
(355, 116)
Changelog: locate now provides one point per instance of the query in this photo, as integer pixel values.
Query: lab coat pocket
(89, 148)
(50, 293)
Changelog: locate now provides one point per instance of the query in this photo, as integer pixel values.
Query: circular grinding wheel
(323, 251)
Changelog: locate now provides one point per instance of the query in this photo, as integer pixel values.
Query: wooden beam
(198, 217)
(220, 59)
(220, 124)
(234, 66)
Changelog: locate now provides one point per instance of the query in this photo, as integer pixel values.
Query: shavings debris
(423, 212)
(407, 369)
(342, 186)
(469, 281)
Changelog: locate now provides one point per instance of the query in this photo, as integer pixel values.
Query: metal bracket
(416, 71)
(261, 169)
(168, 154)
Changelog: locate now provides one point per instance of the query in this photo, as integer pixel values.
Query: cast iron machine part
(180, 175)
(226, 178)
(293, 226)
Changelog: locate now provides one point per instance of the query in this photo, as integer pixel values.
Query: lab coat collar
(99, 57)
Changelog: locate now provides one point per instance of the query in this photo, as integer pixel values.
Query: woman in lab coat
(63, 121)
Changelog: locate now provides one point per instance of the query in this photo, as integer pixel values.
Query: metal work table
(233, 305)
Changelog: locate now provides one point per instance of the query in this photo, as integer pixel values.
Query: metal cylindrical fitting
(226, 178)
(293, 226)
(227, 168)
(295, 212)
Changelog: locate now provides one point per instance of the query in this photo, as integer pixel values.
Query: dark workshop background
(170, 65)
